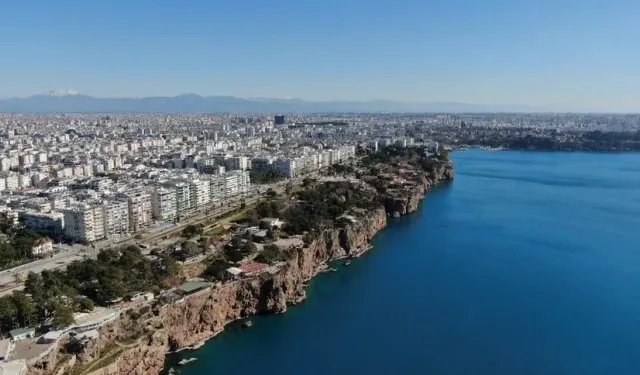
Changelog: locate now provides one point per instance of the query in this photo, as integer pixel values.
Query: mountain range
(71, 101)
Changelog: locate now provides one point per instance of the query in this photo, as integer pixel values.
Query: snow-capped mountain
(59, 93)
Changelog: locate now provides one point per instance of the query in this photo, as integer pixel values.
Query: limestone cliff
(404, 200)
(204, 314)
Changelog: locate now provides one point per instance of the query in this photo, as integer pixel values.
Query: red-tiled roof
(253, 266)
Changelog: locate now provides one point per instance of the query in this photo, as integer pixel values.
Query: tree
(191, 230)
(271, 192)
(86, 304)
(8, 314)
(234, 254)
(190, 248)
(62, 316)
(270, 254)
(217, 269)
(25, 308)
(248, 248)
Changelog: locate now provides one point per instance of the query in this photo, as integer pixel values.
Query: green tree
(62, 316)
(25, 309)
(191, 230)
(85, 304)
(8, 314)
(217, 269)
(234, 254)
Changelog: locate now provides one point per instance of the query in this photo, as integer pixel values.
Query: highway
(57, 261)
(68, 254)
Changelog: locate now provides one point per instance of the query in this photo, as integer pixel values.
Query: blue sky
(577, 54)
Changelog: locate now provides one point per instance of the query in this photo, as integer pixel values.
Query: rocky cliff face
(406, 199)
(203, 315)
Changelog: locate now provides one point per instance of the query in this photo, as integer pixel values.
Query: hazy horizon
(568, 55)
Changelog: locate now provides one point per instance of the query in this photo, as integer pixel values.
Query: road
(57, 261)
(68, 254)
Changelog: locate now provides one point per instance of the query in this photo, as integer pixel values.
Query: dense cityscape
(88, 195)
(87, 178)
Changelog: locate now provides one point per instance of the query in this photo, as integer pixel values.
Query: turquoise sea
(528, 263)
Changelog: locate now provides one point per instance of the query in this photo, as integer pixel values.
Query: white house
(22, 333)
(42, 247)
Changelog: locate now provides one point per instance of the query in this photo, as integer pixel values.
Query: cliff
(405, 199)
(203, 315)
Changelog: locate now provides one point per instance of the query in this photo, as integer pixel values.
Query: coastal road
(61, 260)
(8, 282)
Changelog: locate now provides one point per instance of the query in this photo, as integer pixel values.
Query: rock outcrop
(405, 200)
(203, 315)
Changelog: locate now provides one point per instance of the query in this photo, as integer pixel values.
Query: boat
(184, 361)
(247, 324)
(348, 262)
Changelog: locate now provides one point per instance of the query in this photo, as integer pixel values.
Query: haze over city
(552, 55)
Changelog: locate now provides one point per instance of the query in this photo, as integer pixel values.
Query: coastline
(190, 323)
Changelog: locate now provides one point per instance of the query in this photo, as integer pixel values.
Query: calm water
(529, 263)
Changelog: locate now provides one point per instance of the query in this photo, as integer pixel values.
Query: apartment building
(183, 196)
(199, 193)
(140, 211)
(217, 188)
(164, 205)
(116, 218)
(51, 224)
(84, 222)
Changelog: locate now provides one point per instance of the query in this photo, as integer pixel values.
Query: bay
(528, 263)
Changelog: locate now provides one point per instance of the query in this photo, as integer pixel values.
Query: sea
(527, 263)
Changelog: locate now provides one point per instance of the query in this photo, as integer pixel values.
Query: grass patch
(109, 359)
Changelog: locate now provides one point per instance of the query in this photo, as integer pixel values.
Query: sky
(557, 54)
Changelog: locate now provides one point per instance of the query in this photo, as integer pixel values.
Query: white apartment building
(236, 163)
(140, 212)
(5, 164)
(24, 181)
(84, 222)
(199, 193)
(183, 196)
(163, 201)
(12, 182)
(26, 159)
(236, 182)
(41, 157)
(116, 218)
(217, 190)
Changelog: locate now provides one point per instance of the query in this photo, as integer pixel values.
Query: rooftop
(193, 286)
(21, 331)
(253, 266)
(98, 315)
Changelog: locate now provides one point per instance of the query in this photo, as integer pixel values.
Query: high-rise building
(84, 222)
(199, 193)
(164, 204)
(278, 120)
(116, 218)
(139, 209)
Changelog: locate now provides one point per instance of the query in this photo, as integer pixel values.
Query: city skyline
(568, 55)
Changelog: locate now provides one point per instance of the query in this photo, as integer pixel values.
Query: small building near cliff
(193, 286)
(22, 333)
(234, 271)
(253, 268)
